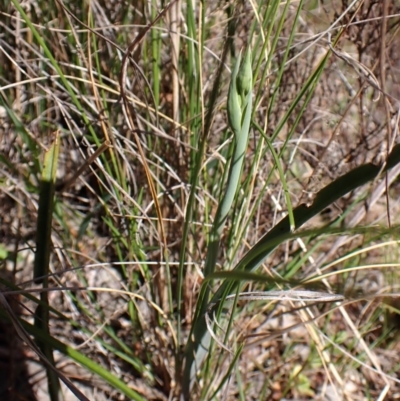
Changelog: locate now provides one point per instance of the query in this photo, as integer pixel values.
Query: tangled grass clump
(199, 201)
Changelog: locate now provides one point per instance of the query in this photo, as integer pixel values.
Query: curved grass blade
(200, 339)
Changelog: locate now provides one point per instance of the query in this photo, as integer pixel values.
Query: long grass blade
(199, 341)
(42, 256)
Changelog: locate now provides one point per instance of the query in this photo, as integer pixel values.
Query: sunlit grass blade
(196, 168)
(199, 341)
(192, 188)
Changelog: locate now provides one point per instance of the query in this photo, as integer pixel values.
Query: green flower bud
(234, 102)
(245, 77)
